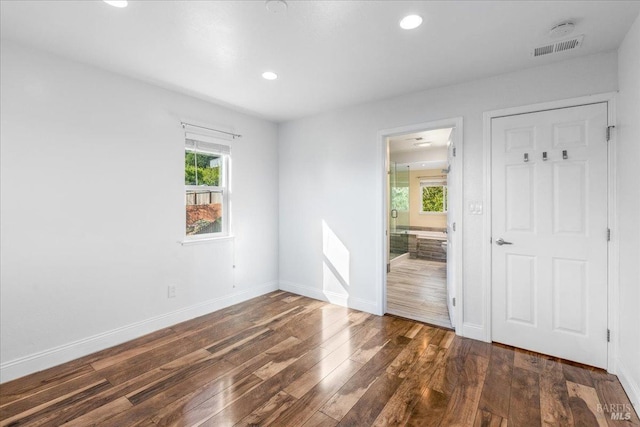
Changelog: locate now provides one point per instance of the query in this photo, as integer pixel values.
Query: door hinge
(608, 335)
(454, 301)
(609, 128)
(608, 234)
(453, 226)
(454, 151)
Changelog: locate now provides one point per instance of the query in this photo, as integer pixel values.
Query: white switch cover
(475, 208)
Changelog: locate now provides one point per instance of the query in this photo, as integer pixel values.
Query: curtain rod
(234, 135)
(432, 176)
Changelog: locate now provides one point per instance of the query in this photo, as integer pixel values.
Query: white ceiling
(328, 54)
(403, 143)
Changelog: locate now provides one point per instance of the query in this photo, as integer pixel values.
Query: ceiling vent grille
(559, 46)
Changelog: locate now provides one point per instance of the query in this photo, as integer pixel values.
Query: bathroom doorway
(422, 198)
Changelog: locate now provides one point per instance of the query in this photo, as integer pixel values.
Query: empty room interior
(319, 213)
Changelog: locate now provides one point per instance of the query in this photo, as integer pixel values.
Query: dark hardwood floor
(286, 360)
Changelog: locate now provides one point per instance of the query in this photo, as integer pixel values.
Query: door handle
(394, 213)
(501, 242)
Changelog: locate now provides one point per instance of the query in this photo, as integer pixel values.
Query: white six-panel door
(549, 204)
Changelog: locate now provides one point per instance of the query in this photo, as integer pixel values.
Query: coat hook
(564, 154)
(526, 157)
(544, 156)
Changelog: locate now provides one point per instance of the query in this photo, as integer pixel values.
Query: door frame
(612, 249)
(383, 214)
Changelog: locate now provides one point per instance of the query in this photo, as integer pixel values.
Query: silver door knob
(501, 242)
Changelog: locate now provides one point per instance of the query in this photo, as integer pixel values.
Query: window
(206, 179)
(400, 198)
(434, 196)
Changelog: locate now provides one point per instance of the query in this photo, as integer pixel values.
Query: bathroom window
(434, 196)
(206, 179)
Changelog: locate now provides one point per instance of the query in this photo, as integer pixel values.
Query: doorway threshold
(399, 258)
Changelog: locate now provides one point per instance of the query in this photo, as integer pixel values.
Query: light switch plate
(475, 208)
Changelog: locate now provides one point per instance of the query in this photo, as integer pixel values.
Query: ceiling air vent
(559, 46)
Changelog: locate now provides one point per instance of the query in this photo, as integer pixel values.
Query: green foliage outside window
(434, 199)
(198, 169)
(400, 198)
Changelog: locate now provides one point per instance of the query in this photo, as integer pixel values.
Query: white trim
(212, 239)
(225, 189)
(55, 356)
(608, 98)
(486, 229)
(331, 297)
(205, 188)
(399, 258)
(631, 387)
(473, 331)
(196, 145)
(382, 220)
(613, 265)
(553, 105)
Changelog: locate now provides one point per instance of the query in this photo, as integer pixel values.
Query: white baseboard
(399, 258)
(476, 332)
(630, 385)
(64, 353)
(332, 297)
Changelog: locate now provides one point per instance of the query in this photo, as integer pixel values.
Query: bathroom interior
(418, 208)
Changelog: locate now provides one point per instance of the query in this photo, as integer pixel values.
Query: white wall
(628, 146)
(93, 208)
(330, 171)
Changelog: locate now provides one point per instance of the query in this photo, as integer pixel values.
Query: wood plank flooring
(417, 289)
(285, 360)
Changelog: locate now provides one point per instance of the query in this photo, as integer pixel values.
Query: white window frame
(224, 188)
(436, 182)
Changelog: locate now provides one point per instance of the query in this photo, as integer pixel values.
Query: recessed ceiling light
(410, 22)
(276, 6)
(117, 3)
(561, 30)
(422, 144)
(269, 75)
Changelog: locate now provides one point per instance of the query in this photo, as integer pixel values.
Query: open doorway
(422, 232)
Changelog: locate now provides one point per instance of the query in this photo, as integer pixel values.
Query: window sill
(432, 213)
(204, 240)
